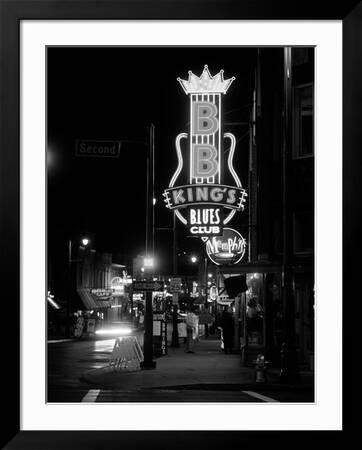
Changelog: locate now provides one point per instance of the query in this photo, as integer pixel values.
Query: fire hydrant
(260, 369)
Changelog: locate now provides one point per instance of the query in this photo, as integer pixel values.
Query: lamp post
(175, 336)
(84, 241)
(149, 144)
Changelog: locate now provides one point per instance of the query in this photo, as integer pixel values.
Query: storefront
(255, 295)
(104, 287)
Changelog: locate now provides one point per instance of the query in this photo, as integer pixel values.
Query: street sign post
(175, 285)
(175, 336)
(147, 362)
(148, 286)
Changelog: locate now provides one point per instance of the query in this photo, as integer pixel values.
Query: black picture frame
(12, 12)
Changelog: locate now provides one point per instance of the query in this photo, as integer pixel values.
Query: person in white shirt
(191, 324)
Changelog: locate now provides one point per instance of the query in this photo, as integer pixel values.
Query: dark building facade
(278, 305)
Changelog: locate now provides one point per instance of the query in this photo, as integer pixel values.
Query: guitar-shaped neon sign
(200, 204)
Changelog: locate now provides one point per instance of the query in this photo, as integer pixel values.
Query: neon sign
(101, 294)
(201, 204)
(227, 249)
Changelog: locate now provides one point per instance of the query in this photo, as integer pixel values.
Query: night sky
(114, 93)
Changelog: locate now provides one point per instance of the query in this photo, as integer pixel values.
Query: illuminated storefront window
(255, 309)
(261, 312)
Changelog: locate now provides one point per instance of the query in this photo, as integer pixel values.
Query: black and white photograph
(178, 191)
(180, 235)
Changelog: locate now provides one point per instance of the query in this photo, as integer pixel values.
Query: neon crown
(206, 83)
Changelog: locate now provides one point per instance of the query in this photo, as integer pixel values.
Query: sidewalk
(207, 368)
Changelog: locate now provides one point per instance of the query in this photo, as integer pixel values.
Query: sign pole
(69, 287)
(175, 337)
(148, 286)
(148, 362)
(206, 303)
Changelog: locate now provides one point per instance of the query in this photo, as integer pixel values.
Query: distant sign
(117, 286)
(213, 292)
(175, 285)
(147, 285)
(91, 325)
(78, 330)
(97, 149)
(102, 294)
(175, 298)
(156, 328)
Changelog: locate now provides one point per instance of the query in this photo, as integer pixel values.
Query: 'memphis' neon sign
(200, 204)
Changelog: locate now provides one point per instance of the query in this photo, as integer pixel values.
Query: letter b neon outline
(204, 159)
(204, 118)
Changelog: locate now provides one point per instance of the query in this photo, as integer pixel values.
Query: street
(77, 374)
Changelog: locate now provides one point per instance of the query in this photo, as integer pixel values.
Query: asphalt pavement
(78, 371)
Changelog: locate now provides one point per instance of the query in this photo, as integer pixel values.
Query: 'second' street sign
(97, 149)
(147, 285)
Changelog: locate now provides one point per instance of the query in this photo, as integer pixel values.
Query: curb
(239, 387)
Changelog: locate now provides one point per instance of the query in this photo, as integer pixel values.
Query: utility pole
(175, 336)
(252, 176)
(289, 364)
(148, 362)
(152, 159)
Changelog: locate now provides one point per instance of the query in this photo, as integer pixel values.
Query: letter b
(204, 118)
(204, 161)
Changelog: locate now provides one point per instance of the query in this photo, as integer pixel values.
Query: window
(303, 232)
(254, 313)
(303, 120)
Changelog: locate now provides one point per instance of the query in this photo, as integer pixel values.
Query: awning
(90, 301)
(250, 268)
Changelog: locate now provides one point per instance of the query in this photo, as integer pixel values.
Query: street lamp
(148, 263)
(85, 241)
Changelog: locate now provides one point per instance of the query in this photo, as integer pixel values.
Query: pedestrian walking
(191, 324)
(227, 325)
